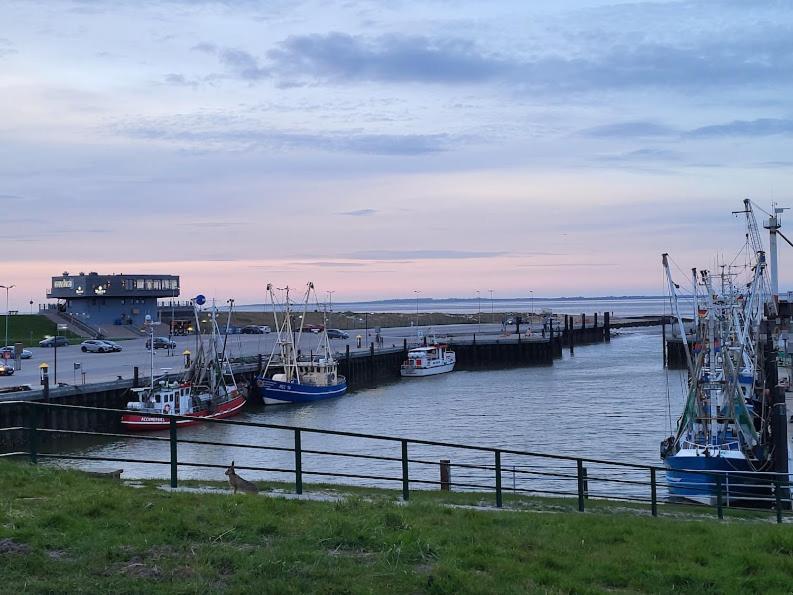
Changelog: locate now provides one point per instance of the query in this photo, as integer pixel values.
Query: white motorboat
(428, 361)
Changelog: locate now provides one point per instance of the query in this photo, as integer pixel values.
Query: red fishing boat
(208, 390)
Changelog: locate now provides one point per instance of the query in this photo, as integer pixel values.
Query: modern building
(102, 300)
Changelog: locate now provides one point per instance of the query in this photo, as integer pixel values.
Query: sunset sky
(381, 147)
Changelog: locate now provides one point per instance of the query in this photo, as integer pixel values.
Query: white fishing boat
(428, 361)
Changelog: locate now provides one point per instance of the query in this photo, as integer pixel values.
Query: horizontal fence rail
(410, 464)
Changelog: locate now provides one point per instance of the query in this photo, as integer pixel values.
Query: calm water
(608, 401)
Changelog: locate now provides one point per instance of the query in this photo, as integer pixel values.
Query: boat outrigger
(292, 376)
(208, 389)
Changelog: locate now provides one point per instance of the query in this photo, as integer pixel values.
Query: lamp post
(492, 315)
(7, 288)
(531, 292)
(330, 305)
(479, 312)
(417, 292)
(58, 329)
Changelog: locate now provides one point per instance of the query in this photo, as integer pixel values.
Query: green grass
(73, 533)
(29, 329)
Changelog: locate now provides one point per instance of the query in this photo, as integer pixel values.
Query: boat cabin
(166, 397)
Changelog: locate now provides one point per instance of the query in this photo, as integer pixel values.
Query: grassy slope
(23, 327)
(95, 535)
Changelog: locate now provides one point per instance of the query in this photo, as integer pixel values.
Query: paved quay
(100, 367)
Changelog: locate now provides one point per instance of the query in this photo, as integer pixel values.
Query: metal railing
(490, 470)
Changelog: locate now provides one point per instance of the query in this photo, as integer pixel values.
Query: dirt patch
(9, 546)
(150, 565)
(347, 553)
(137, 568)
(57, 555)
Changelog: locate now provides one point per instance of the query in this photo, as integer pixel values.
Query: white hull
(415, 372)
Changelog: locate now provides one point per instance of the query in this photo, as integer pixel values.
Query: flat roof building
(102, 300)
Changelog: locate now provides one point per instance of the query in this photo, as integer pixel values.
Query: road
(98, 367)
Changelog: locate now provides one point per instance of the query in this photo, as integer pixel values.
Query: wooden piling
(446, 475)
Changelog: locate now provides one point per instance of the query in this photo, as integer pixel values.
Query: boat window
(157, 398)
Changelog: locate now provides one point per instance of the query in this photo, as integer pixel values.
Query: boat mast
(676, 311)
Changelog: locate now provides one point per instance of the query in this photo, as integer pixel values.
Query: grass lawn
(62, 531)
(30, 329)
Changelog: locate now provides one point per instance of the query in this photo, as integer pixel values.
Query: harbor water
(608, 401)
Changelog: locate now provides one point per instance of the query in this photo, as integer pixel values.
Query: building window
(157, 284)
(139, 284)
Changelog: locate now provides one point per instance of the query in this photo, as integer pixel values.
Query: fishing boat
(291, 375)
(722, 442)
(428, 361)
(208, 389)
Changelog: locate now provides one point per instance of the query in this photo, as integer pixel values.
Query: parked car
(161, 343)
(26, 353)
(53, 341)
(252, 329)
(6, 368)
(334, 333)
(313, 328)
(96, 346)
(113, 345)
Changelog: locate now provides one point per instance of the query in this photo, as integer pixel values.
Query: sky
(380, 147)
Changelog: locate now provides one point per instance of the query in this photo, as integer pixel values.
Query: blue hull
(738, 480)
(273, 392)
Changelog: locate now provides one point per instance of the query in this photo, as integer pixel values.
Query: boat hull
(275, 392)
(739, 481)
(138, 422)
(413, 372)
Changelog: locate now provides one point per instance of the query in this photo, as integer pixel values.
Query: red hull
(153, 422)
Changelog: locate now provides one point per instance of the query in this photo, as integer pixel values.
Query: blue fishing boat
(722, 442)
(291, 376)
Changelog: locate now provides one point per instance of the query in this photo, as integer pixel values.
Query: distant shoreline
(484, 299)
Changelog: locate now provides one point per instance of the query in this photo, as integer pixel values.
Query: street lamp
(7, 288)
(531, 292)
(479, 312)
(417, 292)
(330, 307)
(492, 316)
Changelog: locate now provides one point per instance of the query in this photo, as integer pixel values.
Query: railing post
(405, 476)
(580, 469)
(33, 434)
(653, 493)
(298, 464)
(498, 479)
(778, 500)
(586, 484)
(719, 502)
(174, 456)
